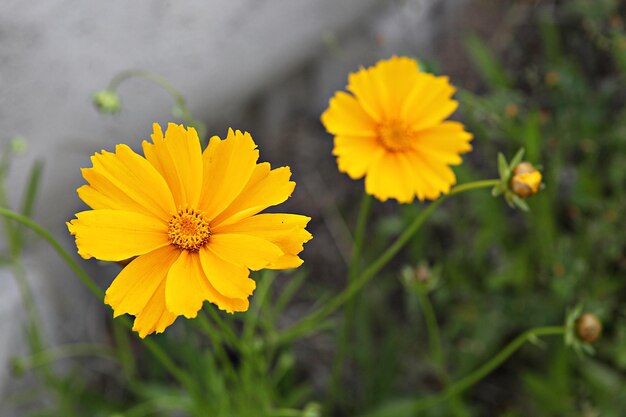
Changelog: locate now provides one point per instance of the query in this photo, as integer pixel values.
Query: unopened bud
(107, 101)
(526, 180)
(423, 273)
(588, 327)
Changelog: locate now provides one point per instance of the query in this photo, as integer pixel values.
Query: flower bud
(423, 273)
(107, 101)
(588, 327)
(526, 180)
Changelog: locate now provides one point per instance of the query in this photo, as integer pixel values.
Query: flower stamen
(189, 230)
(395, 135)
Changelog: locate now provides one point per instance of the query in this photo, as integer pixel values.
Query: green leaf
(520, 203)
(34, 179)
(517, 158)
(503, 167)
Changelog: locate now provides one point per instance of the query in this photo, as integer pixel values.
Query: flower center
(189, 230)
(395, 135)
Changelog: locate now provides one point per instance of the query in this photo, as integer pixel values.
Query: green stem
(56, 246)
(308, 323)
(124, 350)
(150, 76)
(9, 229)
(227, 331)
(46, 357)
(432, 328)
(155, 349)
(252, 317)
(414, 406)
(162, 82)
(336, 387)
(434, 343)
(359, 234)
(217, 342)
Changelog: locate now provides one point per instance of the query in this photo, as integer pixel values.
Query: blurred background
(546, 75)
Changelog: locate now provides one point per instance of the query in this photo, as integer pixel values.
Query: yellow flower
(391, 130)
(190, 221)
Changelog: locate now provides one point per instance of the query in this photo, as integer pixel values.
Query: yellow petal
(154, 317)
(429, 102)
(370, 92)
(188, 287)
(444, 142)
(133, 287)
(390, 177)
(184, 291)
(264, 189)
(97, 200)
(286, 262)
(345, 116)
(230, 305)
(398, 75)
(115, 235)
(242, 249)
(229, 279)
(356, 154)
(178, 157)
(436, 114)
(440, 176)
(228, 165)
(287, 231)
(125, 181)
(422, 184)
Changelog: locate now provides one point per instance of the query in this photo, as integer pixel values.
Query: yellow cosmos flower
(391, 130)
(189, 220)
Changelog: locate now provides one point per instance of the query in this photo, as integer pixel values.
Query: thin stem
(179, 98)
(414, 406)
(217, 342)
(227, 331)
(308, 323)
(155, 349)
(9, 229)
(148, 75)
(434, 343)
(124, 350)
(251, 319)
(432, 328)
(56, 246)
(68, 351)
(344, 335)
(359, 234)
